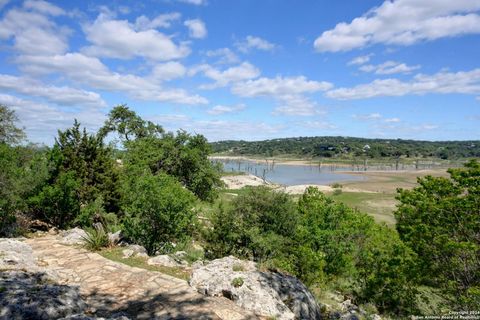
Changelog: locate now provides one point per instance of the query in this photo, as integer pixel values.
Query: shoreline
(303, 162)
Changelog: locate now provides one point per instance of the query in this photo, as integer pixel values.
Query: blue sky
(246, 69)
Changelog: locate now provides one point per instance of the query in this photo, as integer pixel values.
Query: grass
(232, 173)
(379, 205)
(115, 254)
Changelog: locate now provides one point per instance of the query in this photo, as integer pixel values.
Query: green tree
(380, 268)
(9, 132)
(183, 156)
(128, 125)
(440, 221)
(58, 203)
(158, 210)
(92, 164)
(259, 224)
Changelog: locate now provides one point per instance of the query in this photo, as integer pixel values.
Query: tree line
(329, 147)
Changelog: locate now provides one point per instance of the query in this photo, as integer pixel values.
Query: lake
(289, 174)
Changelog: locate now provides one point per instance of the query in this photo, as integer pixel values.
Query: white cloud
(226, 56)
(392, 120)
(389, 67)
(216, 130)
(403, 22)
(319, 125)
(279, 86)
(296, 105)
(228, 76)
(119, 39)
(375, 117)
(59, 95)
(194, 2)
(289, 93)
(360, 60)
(42, 121)
(463, 82)
(44, 7)
(197, 28)
(92, 72)
(143, 23)
(3, 3)
(219, 109)
(168, 71)
(252, 42)
(33, 31)
(371, 116)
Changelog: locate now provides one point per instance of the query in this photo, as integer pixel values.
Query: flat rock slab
(109, 287)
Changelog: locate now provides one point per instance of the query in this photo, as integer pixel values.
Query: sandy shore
(240, 181)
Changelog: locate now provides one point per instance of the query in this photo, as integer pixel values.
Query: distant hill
(350, 147)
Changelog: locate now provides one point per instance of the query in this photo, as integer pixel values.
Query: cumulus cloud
(42, 121)
(403, 22)
(194, 2)
(32, 29)
(279, 86)
(462, 82)
(371, 116)
(296, 105)
(58, 95)
(91, 72)
(251, 42)
(228, 76)
(375, 117)
(168, 71)
(119, 39)
(389, 67)
(220, 109)
(143, 23)
(197, 28)
(44, 7)
(288, 91)
(225, 55)
(360, 60)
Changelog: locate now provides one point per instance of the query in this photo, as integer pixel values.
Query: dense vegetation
(156, 190)
(329, 147)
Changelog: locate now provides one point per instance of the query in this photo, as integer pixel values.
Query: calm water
(289, 174)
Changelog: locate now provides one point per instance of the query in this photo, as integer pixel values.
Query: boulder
(16, 255)
(115, 238)
(264, 293)
(167, 261)
(73, 236)
(134, 250)
(163, 260)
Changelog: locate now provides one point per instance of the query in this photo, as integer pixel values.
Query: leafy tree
(58, 203)
(440, 221)
(259, 224)
(128, 125)
(371, 257)
(9, 132)
(183, 156)
(158, 210)
(91, 163)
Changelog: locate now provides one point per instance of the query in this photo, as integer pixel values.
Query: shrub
(440, 221)
(259, 224)
(96, 238)
(158, 211)
(58, 203)
(237, 282)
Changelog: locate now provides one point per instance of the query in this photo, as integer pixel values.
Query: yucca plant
(96, 238)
